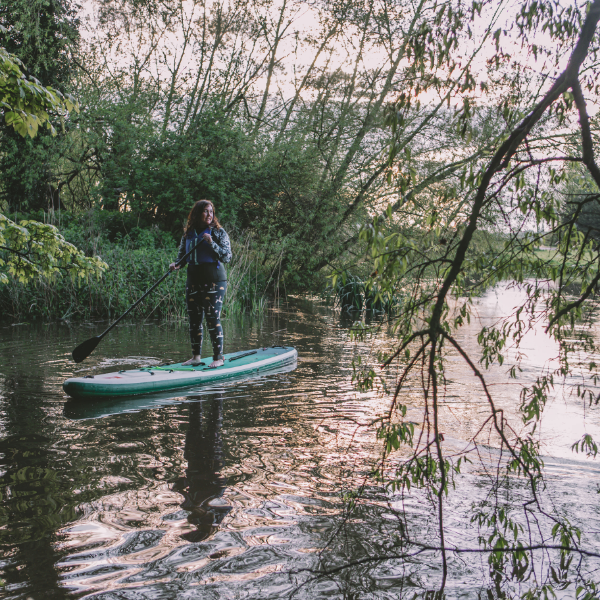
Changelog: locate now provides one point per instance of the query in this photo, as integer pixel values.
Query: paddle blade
(84, 350)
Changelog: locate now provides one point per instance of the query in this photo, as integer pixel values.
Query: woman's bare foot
(193, 362)
(216, 363)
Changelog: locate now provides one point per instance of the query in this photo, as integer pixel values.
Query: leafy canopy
(25, 102)
(31, 249)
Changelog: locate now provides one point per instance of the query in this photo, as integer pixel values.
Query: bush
(136, 260)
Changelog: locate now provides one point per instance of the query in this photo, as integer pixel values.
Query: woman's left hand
(207, 238)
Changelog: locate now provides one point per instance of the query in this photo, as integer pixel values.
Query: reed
(132, 270)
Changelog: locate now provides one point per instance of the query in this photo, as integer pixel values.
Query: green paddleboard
(175, 376)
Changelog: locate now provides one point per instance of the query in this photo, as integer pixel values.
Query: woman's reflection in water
(203, 485)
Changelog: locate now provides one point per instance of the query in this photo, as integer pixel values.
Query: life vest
(203, 252)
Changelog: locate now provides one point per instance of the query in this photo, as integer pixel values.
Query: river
(235, 490)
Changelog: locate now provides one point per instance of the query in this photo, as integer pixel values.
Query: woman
(206, 277)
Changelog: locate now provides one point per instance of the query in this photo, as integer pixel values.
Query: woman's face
(207, 215)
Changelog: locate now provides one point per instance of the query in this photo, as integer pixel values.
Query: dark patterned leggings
(205, 299)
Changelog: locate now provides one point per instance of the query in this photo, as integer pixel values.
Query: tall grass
(247, 282)
(135, 262)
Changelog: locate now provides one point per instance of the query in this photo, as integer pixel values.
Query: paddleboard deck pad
(171, 377)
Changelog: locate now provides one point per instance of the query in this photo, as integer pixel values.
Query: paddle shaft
(178, 263)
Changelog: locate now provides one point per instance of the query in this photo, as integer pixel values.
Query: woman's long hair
(195, 217)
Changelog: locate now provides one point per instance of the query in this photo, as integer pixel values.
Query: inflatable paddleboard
(170, 377)
(95, 408)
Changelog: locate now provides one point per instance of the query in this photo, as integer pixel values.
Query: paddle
(84, 350)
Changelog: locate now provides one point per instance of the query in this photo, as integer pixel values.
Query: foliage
(544, 146)
(24, 101)
(30, 249)
(43, 35)
(352, 294)
(297, 156)
(132, 263)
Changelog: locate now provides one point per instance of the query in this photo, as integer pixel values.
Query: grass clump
(135, 261)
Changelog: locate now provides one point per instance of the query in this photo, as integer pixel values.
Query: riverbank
(136, 260)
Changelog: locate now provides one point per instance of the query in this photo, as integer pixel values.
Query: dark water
(232, 491)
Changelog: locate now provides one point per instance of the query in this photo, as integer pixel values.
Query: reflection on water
(565, 416)
(233, 490)
(203, 485)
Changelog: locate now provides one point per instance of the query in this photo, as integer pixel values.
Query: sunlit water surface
(235, 490)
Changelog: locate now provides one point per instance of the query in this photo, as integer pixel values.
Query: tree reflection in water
(203, 485)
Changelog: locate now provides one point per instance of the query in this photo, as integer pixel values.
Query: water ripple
(232, 490)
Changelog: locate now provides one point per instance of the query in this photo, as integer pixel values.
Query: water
(234, 491)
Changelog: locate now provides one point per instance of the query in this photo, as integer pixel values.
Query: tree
(42, 34)
(25, 103)
(437, 267)
(30, 249)
(282, 124)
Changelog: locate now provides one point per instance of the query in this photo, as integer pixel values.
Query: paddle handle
(178, 263)
(136, 303)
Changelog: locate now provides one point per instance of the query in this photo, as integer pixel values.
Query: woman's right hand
(174, 267)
